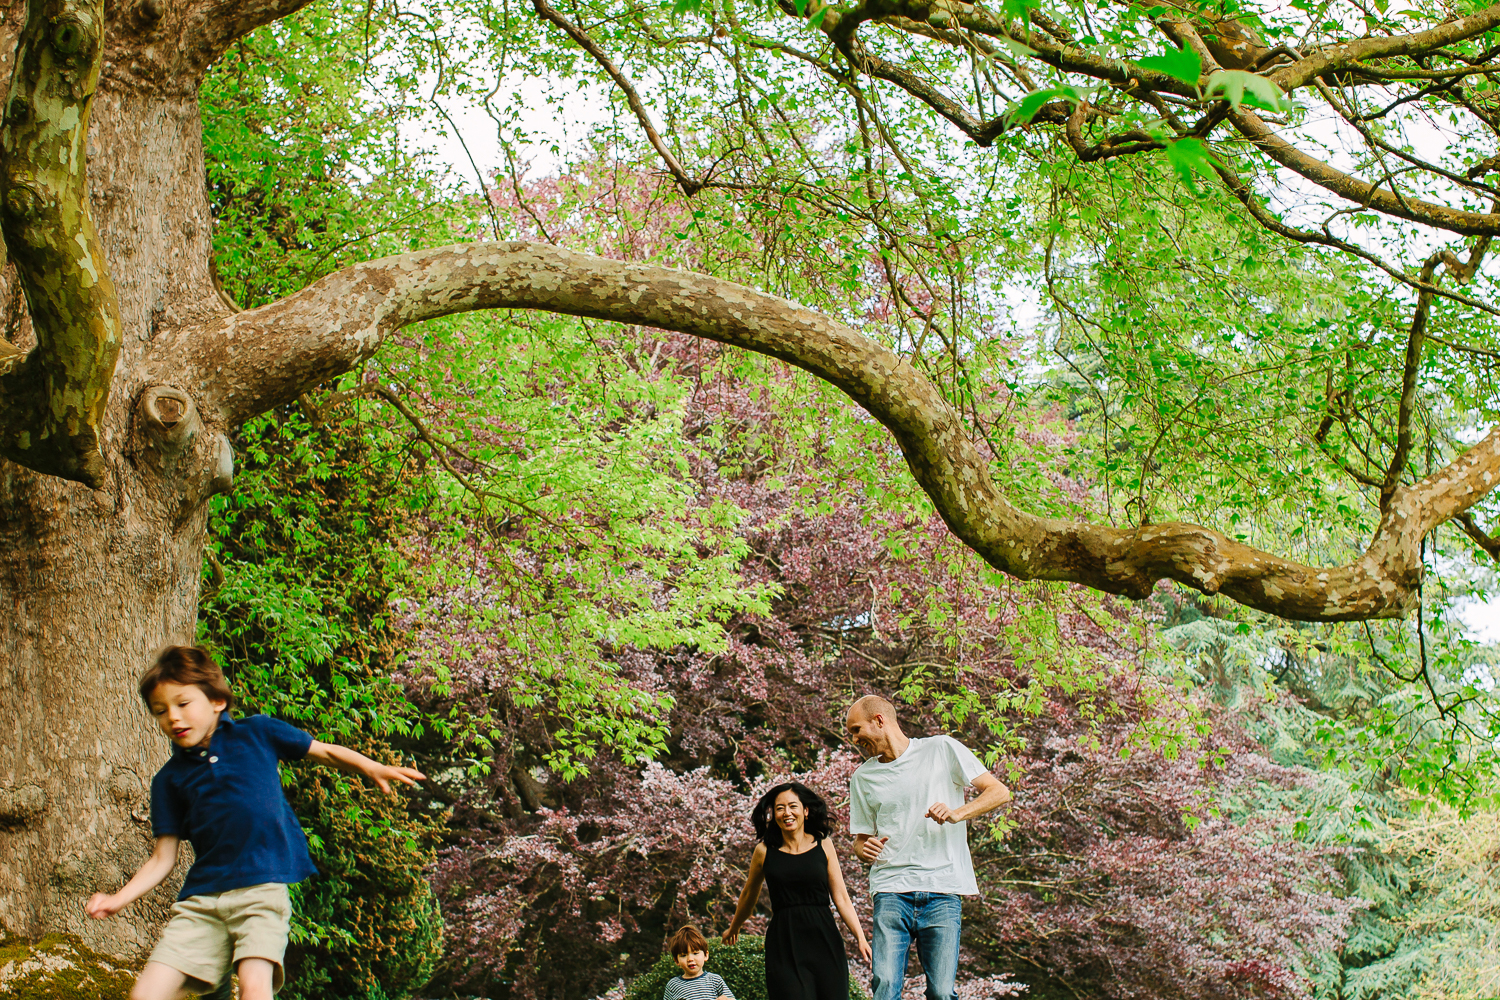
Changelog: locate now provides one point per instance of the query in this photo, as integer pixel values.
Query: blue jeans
(933, 920)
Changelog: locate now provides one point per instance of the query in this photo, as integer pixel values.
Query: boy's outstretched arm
(357, 763)
(150, 875)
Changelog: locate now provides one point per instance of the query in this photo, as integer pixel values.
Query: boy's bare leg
(224, 991)
(158, 982)
(256, 978)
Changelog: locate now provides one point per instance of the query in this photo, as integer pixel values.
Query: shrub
(742, 964)
(368, 927)
(302, 564)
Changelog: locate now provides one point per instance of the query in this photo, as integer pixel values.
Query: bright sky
(477, 137)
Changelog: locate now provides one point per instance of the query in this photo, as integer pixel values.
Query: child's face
(691, 963)
(184, 713)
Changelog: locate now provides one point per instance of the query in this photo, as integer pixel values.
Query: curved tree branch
(1362, 192)
(1410, 370)
(1349, 54)
(689, 184)
(52, 403)
(254, 360)
(1481, 537)
(211, 26)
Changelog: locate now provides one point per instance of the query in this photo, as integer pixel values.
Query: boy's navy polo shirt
(227, 800)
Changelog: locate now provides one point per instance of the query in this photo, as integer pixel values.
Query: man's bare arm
(992, 795)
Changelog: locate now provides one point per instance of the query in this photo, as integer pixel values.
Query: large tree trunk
(93, 581)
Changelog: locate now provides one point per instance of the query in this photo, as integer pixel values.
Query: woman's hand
(730, 936)
(864, 951)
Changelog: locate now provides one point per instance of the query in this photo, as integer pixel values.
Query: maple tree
(129, 367)
(1116, 869)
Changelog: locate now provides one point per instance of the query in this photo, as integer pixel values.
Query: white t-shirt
(891, 800)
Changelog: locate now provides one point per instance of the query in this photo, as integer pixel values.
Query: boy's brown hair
(686, 940)
(187, 665)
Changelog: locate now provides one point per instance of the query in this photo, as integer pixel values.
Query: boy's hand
(384, 774)
(354, 762)
(101, 905)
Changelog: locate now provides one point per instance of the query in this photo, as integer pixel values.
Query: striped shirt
(708, 986)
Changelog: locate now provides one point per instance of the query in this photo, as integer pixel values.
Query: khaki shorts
(210, 933)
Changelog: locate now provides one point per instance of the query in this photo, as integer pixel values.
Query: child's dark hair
(187, 665)
(817, 822)
(687, 939)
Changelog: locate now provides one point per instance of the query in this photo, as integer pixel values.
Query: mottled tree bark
(55, 397)
(93, 580)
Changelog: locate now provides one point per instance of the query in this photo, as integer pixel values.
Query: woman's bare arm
(841, 900)
(749, 894)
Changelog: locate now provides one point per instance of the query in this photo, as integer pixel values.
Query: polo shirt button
(213, 760)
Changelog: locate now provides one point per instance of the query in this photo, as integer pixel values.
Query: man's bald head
(870, 706)
(871, 725)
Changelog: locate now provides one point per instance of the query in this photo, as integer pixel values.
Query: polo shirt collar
(225, 719)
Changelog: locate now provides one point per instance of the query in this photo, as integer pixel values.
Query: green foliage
(578, 499)
(1423, 868)
(1180, 64)
(368, 926)
(1433, 917)
(304, 173)
(302, 566)
(743, 966)
(1237, 86)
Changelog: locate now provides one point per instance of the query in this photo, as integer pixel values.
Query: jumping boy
(690, 951)
(221, 790)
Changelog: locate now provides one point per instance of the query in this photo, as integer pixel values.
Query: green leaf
(1027, 108)
(1189, 157)
(1020, 9)
(1239, 87)
(1179, 64)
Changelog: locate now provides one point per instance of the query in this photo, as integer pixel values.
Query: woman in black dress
(805, 957)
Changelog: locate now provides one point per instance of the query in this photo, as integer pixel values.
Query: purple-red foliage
(1117, 870)
(1113, 877)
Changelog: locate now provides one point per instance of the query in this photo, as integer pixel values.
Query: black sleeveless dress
(805, 957)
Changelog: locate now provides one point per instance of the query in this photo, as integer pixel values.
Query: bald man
(909, 820)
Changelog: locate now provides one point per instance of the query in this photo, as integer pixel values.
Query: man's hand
(992, 794)
(867, 849)
(101, 905)
(939, 813)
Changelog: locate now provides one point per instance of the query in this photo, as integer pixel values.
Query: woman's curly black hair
(817, 823)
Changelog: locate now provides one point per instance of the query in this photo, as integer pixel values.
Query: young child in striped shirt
(690, 951)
